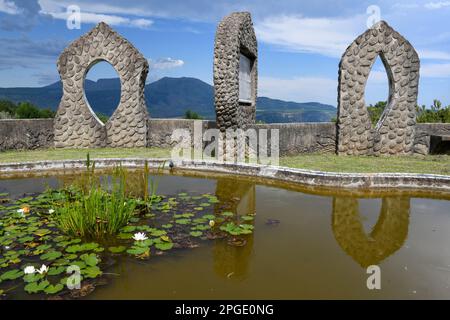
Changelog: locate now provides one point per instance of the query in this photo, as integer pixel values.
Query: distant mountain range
(170, 98)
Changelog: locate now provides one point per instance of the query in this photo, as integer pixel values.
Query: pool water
(306, 243)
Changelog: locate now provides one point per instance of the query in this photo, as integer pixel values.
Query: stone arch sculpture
(75, 124)
(387, 236)
(394, 132)
(234, 36)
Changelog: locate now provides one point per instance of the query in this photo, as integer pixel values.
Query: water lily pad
(34, 277)
(54, 271)
(90, 259)
(42, 232)
(143, 243)
(127, 229)
(205, 204)
(158, 233)
(44, 247)
(247, 218)
(247, 226)
(167, 226)
(227, 214)
(50, 256)
(183, 221)
(11, 274)
(25, 239)
(183, 215)
(35, 287)
(52, 289)
(82, 247)
(138, 250)
(79, 264)
(125, 236)
(196, 233)
(117, 249)
(92, 272)
(164, 246)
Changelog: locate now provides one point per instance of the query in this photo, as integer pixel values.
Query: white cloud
(435, 70)
(437, 5)
(326, 36)
(165, 63)
(299, 89)
(114, 20)
(434, 54)
(9, 7)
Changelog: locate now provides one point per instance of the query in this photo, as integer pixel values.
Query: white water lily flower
(29, 270)
(212, 223)
(43, 269)
(51, 211)
(140, 236)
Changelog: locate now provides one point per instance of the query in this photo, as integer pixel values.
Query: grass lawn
(438, 164)
(74, 154)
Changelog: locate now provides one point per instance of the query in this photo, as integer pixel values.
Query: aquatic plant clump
(95, 208)
(95, 214)
(41, 253)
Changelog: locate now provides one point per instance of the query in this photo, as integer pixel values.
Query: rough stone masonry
(234, 36)
(395, 131)
(75, 124)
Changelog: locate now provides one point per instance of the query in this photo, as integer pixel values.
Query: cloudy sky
(299, 42)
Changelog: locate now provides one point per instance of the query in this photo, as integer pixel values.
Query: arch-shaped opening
(102, 89)
(377, 91)
(385, 237)
(369, 212)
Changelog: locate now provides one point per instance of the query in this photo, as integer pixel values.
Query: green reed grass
(92, 207)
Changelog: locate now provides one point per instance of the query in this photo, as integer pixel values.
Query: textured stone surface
(394, 133)
(24, 134)
(386, 237)
(76, 125)
(423, 133)
(298, 138)
(160, 130)
(355, 183)
(235, 34)
(295, 138)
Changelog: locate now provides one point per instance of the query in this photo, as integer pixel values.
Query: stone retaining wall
(26, 134)
(295, 138)
(351, 181)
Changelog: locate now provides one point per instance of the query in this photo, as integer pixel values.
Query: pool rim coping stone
(285, 174)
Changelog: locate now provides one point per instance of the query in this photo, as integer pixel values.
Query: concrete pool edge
(300, 176)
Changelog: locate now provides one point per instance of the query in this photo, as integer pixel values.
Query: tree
(376, 111)
(192, 115)
(26, 110)
(8, 106)
(436, 113)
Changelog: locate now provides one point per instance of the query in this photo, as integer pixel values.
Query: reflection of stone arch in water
(394, 132)
(238, 197)
(387, 236)
(75, 124)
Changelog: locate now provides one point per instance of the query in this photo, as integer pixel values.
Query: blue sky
(299, 42)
